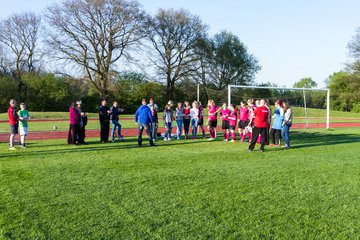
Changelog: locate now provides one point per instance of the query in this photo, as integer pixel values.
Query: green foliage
(130, 88)
(345, 94)
(8, 90)
(305, 83)
(45, 92)
(228, 61)
(183, 190)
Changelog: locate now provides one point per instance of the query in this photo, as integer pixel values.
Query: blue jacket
(278, 118)
(143, 115)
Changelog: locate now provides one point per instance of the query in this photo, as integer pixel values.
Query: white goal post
(291, 89)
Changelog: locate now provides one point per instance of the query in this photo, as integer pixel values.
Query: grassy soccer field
(183, 190)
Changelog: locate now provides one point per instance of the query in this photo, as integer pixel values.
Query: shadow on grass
(299, 139)
(94, 146)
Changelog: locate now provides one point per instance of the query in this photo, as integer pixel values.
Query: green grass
(183, 190)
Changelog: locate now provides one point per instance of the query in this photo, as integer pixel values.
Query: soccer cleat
(12, 148)
(169, 139)
(165, 139)
(23, 146)
(232, 141)
(262, 150)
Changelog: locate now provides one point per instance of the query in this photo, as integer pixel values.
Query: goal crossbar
(291, 89)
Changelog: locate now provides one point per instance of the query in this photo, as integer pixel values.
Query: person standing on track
(261, 116)
(104, 117)
(14, 122)
(143, 118)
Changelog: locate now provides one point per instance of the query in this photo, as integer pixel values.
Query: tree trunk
(169, 88)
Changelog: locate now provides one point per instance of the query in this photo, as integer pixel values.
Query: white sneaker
(12, 148)
(169, 139)
(165, 139)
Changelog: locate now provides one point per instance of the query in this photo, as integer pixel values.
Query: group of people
(18, 121)
(107, 115)
(252, 119)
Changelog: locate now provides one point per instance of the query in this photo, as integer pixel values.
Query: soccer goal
(312, 105)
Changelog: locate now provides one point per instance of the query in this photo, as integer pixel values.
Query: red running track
(128, 132)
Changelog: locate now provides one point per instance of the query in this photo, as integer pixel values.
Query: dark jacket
(115, 113)
(103, 114)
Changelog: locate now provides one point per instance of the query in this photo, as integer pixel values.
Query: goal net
(310, 105)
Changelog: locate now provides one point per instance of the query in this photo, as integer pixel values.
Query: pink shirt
(244, 113)
(233, 118)
(212, 113)
(225, 114)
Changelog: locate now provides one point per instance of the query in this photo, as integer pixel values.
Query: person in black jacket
(104, 117)
(115, 112)
(83, 122)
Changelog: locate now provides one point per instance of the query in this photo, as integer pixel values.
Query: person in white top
(288, 119)
(194, 116)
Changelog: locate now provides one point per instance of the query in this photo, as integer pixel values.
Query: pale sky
(291, 39)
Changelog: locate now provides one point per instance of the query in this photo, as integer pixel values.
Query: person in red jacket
(13, 121)
(261, 116)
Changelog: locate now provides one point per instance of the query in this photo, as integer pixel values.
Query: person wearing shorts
(224, 115)
(24, 116)
(14, 122)
(212, 120)
(232, 121)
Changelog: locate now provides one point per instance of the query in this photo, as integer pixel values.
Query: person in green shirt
(24, 116)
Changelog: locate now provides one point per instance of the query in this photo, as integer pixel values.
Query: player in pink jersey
(224, 116)
(212, 120)
(244, 114)
(232, 121)
(251, 108)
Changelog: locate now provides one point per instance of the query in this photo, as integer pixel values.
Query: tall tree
(19, 37)
(305, 83)
(230, 62)
(95, 35)
(173, 35)
(354, 50)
